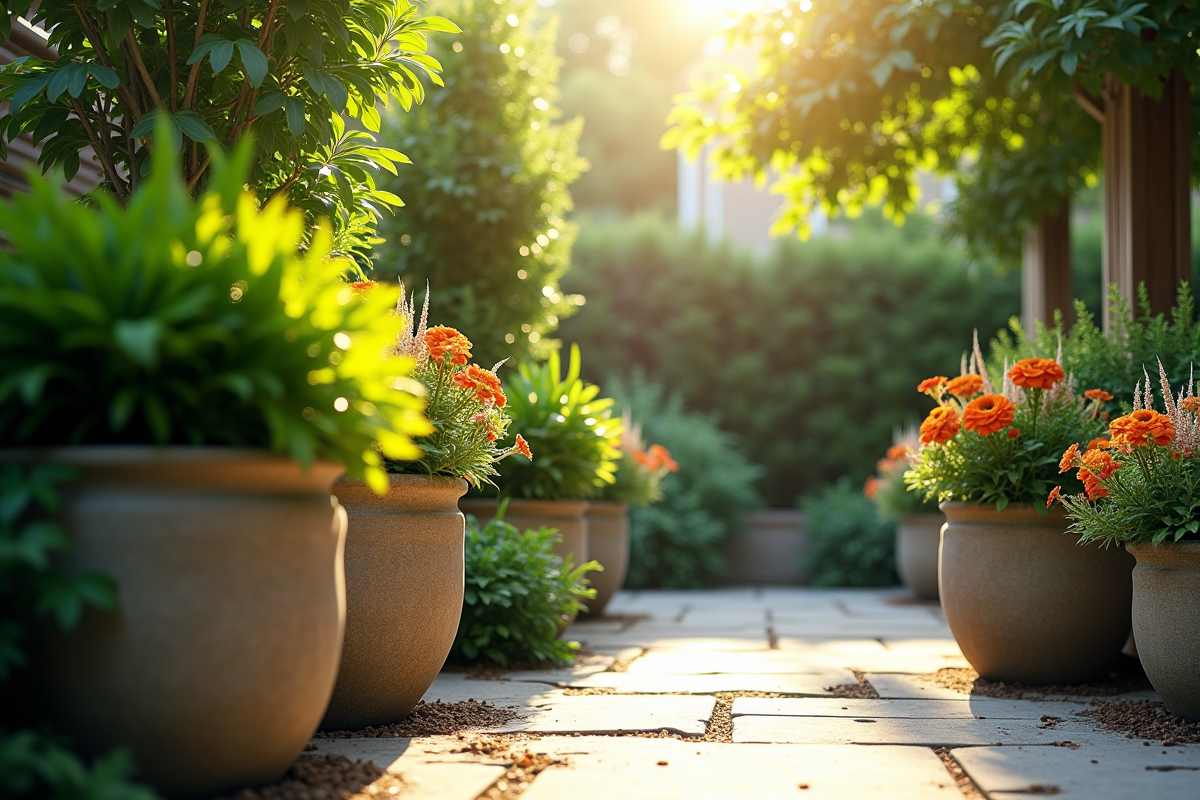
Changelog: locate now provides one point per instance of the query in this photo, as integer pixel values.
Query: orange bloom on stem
(965, 386)
(1036, 373)
(1097, 467)
(443, 341)
(940, 426)
(1190, 404)
(871, 487)
(1098, 443)
(930, 384)
(897, 452)
(988, 414)
(661, 457)
(1067, 462)
(484, 383)
(1014, 433)
(1055, 494)
(1141, 427)
(523, 447)
(362, 286)
(1098, 394)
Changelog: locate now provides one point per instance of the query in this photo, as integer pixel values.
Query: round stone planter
(917, 539)
(404, 596)
(1166, 621)
(568, 517)
(1025, 601)
(608, 544)
(217, 666)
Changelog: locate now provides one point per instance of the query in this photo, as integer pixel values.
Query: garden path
(770, 693)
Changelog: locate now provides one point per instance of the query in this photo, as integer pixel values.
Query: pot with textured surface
(568, 517)
(608, 544)
(1025, 601)
(404, 596)
(918, 537)
(1166, 621)
(217, 666)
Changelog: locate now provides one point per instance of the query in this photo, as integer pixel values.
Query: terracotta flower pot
(568, 517)
(1025, 601)
(1166, 621)
(918, 537)
(221, 659)
(404, 596)
(608, 543)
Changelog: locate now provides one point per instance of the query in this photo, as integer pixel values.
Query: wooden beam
(1046, 283)
(1147, 210)
(1089, 102)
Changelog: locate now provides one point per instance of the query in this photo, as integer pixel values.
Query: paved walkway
(733, 685)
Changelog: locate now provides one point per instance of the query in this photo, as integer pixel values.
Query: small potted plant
(207, 382)
(404, 549)
(575, 445)
(640, 470)
(918, 519)
(1142, 490)
(1024, 600)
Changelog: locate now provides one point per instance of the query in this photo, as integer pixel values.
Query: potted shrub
(640, 470)
(207, 382)
(404, 549)
(1142, 490)
(1024, 600)
(918, 520)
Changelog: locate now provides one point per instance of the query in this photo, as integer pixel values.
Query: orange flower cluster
(871, 487)
(1141, 427)
(1036, 373)
(897, 452)
(1095, 467)
(965, 386)
(988, 414)
(932, 386)
(1099, 442)
(940, 426)
(1190, 404)
(484, 383)
(656, 458)
(1099, 395)
(522, 447)
(443, 341)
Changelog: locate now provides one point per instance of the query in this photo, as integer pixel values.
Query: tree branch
(194, 179)
(110, 171)
(189, 94)
(136, 52)
(170, 16)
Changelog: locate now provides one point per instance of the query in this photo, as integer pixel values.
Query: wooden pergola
(1147, 205)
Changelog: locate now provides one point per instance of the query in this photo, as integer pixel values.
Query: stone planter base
(918, 537)
(608, 544)
(768, 551)
(1166, 621)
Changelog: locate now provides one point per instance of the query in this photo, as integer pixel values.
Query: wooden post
(1046, 271)
(1147, 211)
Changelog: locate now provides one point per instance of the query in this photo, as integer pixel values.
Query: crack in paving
(961, 779)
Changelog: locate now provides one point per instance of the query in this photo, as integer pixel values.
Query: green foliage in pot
(170, 322)
(640, 471)
(574, 438)
(849, 543)
(487, 192)
(676, 542)
(290, 73)
(517, 594)
(887, 489)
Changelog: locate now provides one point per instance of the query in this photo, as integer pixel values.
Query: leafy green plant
(572, 433)
(640, 470)
(676, 542)
(487, 192)
(173, 322)
(289, 73)
(517, 595)
(849, 543)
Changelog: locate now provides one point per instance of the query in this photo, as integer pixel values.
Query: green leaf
(220, 56)
(193, 127)
(139, 339)
(253, 61)
(294, 109)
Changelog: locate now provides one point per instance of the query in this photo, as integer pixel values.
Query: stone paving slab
(795, 684)
(926, 732)
(963, 708)
(694, 642)
(616, 713)
(455, 687)
(669, 769)
(1099, 772)
(670, 662)
(910, 687)
(590, 664)
(425, 777)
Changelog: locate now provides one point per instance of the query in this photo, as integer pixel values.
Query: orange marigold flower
(1190, 404)
(362, 286)
(940, 426)
(897, 452)
(988, 414)
(929, 384)
(1067, 462)
(484, 383)
(1036, 373)
(1098, 394)
(1014, 433)
(965, 386)
(1141, 427)
(1055, 494)
(871, 487)
(1097, 443)
(523, 447)
(662, 458)
(443, 341)
(1097, 467)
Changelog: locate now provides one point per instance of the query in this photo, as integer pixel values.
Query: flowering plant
(640, 470)
(465, 401)
(1142, 483)
(996, 448)
(886, 488)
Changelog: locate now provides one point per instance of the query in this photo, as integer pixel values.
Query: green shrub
(517, 594)
(676, 542)
(849, 544)
(812, 355)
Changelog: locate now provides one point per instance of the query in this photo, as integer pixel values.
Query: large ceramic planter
(1025, 601)
(918, 537)
(220, 661)
(1166, 621)
(608, 544)
(568, 517)
(768, 550)
(404, 596)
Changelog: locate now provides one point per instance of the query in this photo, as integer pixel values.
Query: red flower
(1014, 433)
(523, 447)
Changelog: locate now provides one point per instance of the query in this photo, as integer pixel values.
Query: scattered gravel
(1127, 677)
(434, 719)
(524, 763)
(863, 690)
(328, 777)
(961, 779)
(1144, 719)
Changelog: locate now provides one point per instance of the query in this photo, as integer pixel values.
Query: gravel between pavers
(863, 690)
(961, 779)
(1144, 719)
(525, 763)
(434, 719)
(328, 777)
(1126, 677)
